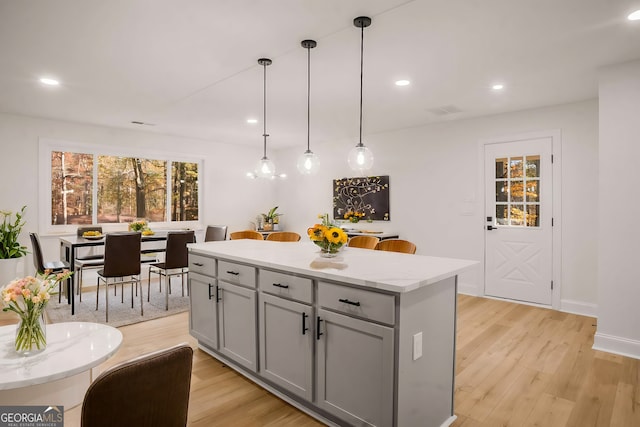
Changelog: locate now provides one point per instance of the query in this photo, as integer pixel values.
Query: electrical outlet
(417, 346)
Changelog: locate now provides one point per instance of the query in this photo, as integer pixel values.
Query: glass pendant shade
(308, 163)
(265, 168)
(360, 158)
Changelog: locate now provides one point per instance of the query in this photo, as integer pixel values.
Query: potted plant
(271, 218)
(11, 251)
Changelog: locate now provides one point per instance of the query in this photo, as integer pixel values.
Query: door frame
(556, 187)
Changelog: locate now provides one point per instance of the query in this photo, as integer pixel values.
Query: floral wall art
(361, 198)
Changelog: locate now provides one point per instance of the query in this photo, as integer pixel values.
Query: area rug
(120, 314)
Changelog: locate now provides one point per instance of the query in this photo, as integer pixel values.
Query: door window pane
(502, 214)
(515, 191)
(533, 194)
(517, 215)
(502, 169)
(533, 214)
(533, 166)
(515, 167)
(502, 190)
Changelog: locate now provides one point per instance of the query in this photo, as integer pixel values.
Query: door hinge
(552, 222)
(552, 285)
(552, 158)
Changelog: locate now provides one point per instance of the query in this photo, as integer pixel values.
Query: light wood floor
(516, 365)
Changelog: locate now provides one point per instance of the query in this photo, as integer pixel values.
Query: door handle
(318, 333)
(491, 227)
(304, 323)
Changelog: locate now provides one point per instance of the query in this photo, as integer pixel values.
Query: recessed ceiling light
(49, 82)
(403, 83)
(497, 86)
(634, 16)
(252, 121)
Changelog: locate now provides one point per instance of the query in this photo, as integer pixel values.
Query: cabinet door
(355, 369)
(286, 344)
(238, 328)
(203, 319)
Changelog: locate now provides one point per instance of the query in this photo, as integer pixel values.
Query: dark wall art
(368, 197)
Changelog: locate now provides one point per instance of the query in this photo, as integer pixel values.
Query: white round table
(61, 374)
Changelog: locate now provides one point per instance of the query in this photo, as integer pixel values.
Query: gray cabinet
(203, 318)
(237, 320)
(286, 344)
(355, 369)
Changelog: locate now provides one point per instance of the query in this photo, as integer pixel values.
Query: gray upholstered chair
(149, 391)
(215, 233)
(40, 265)
(176, 262)
(121, 266)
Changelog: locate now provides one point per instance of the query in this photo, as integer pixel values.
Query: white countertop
(390, 271)
(72, 348)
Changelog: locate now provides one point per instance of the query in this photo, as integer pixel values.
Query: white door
(518, 236)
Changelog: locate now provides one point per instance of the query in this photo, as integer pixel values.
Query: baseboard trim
(469, 289)
(616, 345)
(579, 307)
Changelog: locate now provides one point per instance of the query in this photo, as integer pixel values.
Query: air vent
(444, 110)
(135, 122)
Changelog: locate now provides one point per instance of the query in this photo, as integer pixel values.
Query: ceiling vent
(444, 110)
(135, 122)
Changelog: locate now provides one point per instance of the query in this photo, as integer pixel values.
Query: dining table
(69, 246)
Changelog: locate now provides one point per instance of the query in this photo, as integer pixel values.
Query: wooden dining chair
(364, 242)
(396, 245)
(283, 236)
(41, 266)
(121, 266)
(246, 234)
(176, 262)
(148, 391)
(215, 233)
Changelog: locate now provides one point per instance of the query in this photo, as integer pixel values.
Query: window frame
(46, 146)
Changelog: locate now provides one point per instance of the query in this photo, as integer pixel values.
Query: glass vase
(327, 253)
(31, 334)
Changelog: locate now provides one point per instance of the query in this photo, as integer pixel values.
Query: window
(518, 191)
(101, 188)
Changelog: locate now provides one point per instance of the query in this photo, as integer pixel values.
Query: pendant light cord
(264, 110)
(361, 62)
(308, 98)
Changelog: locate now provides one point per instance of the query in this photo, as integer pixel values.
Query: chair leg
(106, 299)
(166, 293)
(141, 309)
(97, 292)
(136, 286)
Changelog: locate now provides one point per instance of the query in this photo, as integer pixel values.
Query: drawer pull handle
(235, 273)
(199, 264)
(304, 323)
(278, 285)
(346, 301)
(318, 333)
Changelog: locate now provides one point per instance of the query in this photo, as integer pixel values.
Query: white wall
(619, 235)
(229, 197)
(437, 202)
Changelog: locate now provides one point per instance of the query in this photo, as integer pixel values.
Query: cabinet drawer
(202, 264)
(357, 302)
(237, 273)
(286, 285)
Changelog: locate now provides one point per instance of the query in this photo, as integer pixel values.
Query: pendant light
(265, 167)
(308, 162)
(360, 157)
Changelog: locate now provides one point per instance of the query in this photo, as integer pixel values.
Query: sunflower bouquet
(353, 216)
(327, 235)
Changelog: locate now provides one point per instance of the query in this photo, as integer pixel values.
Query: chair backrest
(284, 236)
(38, 261)
(396, 245)
(215, 233)
(149, 391)
(82, 230)
(177, 254)
(122, 254)
(246, 234)
(364, 242)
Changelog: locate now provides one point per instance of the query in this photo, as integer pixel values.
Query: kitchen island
(366, 338)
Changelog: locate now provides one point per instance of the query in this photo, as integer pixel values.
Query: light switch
(417, 346)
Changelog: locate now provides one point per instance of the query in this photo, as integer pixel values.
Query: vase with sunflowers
(328, 236)
(28, 297)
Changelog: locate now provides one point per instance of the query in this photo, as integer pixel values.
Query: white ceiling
(190, 66)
